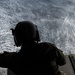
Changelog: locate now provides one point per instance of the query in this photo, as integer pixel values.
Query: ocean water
(55, 20)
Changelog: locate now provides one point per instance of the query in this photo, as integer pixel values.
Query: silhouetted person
(33, 58)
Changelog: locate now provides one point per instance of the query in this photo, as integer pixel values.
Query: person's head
(25, 31)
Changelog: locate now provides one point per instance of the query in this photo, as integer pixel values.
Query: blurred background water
(55, 20)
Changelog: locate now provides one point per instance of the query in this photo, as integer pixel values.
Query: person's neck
(29, 43)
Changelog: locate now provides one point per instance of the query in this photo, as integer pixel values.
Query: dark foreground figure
(34, 58)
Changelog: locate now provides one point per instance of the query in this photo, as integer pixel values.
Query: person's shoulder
(48, 49)
(48, 44)
(43, 44)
